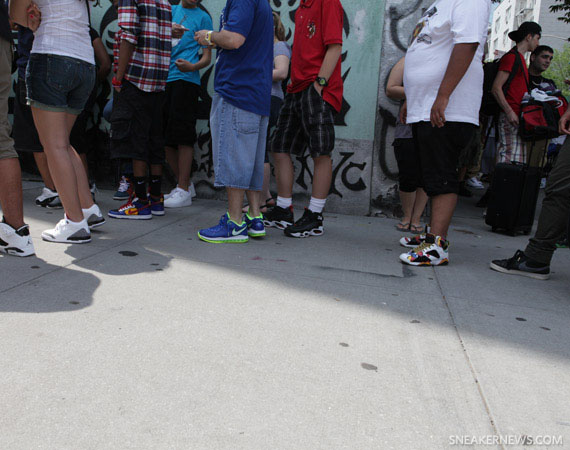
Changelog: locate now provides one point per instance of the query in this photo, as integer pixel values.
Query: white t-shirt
(444, 24)
(64, 30)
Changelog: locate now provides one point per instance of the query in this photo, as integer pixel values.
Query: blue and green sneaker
(227, 231)
(255, 227)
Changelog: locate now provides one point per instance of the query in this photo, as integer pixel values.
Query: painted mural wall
(376, 33)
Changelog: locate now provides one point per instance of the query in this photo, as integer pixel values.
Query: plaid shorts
(305, 120)
(510, 147)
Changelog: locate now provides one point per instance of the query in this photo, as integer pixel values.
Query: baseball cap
(524, 30)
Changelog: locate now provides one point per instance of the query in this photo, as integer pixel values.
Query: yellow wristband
(209, 37)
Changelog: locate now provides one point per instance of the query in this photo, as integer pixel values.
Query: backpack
(489, 105)
(540, 114)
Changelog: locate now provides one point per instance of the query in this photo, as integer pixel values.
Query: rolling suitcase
(514, 194)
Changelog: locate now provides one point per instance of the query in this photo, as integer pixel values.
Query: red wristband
(116, 82)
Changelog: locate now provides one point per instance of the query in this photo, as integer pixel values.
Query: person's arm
(25, 13)
(102, 58)
(187, 66)
(281, 68)
(459, 61)
(227, 40)
(329, 63)
(499, 95)
(126, 50)
(564, 124)
(395, 84)
(130, 29)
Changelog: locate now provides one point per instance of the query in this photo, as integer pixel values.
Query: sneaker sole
(536, 276)
(115, 197)
(229, 240)
(15, 251)
(275, 224)
(157, 213)
(304, 234)
(146, 217)
(48, 238)
(178, 206)
(255, 234)
(48, 206)
(443, 262)
(96, 224)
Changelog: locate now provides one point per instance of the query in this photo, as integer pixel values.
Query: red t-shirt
(518, 86)
(318, 23)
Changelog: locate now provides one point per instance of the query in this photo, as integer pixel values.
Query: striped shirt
(147, 24)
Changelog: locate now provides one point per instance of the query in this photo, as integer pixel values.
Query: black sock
(140, 188)
(155, 185)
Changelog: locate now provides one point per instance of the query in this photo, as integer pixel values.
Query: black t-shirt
(544, 84)
(5, 31)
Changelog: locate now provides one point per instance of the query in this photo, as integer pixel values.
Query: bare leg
(83, 157)
(266, 179)
(235, 203)
(322, 177)
(41, 162)
(155, 169)
(140, 168)
(11, 192)
(443, 208)
(85, 197)
(284, 174)
(185, 157)
(419, 206)
(407, 199)
(172, 160)
(54, 135)
(254, 200)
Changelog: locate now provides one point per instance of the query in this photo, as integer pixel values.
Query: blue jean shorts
(238, 145)
(59, 83)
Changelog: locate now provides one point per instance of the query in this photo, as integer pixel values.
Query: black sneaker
(279, 217)
(520, 264)
(311, 224)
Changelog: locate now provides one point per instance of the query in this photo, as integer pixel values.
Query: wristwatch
(322, 81)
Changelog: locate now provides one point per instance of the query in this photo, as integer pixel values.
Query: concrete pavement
(148, 338)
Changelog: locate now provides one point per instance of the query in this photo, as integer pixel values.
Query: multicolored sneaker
(311, 224)
(227, 231)
(156, 205)
(124, 190)
(562, 243)
(133, 209)
(279, 217)
(520, 264)
(432, 252)
(255, 226)
(414, 241)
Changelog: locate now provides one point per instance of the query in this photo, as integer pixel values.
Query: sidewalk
(148, 338)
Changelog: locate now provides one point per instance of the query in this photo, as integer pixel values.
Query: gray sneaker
(520, 264)
(67, 232)
(93, 216)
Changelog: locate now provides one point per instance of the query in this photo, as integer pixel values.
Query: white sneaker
(178, 198)
(16, 242)
(191, 188)
(68, 232)
(48, 199)
(475, 183)
(93, 216)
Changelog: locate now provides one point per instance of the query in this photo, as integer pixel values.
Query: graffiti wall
(401, 17)
(364, 171)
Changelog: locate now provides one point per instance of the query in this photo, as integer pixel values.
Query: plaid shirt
(147, 24)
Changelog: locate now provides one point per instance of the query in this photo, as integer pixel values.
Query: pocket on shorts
(246, 122)
(121, 120)
(321, 110)
(60, 74)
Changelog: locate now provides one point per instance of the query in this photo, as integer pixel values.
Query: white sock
(283, 202)
(92, 209)
(317, 205)
(82, 223)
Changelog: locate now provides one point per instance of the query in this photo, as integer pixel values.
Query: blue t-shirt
(280, 48)
(243, 76)
(195, 19)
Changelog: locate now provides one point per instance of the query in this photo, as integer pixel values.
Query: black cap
(524, 30)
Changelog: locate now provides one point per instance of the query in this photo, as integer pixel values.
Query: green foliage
(564, 7)
(559, 69)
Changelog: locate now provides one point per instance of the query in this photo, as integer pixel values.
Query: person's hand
(404, 113)
(513, 118)
(178, 30)
(34, 16)
(318, 88)
(437, 115)
(185, 66)
(564, 124)
(200, 37)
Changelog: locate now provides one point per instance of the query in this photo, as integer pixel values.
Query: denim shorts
(238, 145)
(59, 83)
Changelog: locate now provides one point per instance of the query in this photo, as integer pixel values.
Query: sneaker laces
(306, 218)
(423, 246)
